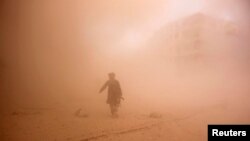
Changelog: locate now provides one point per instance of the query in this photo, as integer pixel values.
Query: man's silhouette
(114, 93)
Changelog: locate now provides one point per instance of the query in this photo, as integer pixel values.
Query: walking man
(114, 93)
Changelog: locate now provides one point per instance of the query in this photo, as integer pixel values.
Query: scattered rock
(79, 113)
(16, 113)
(155, 115)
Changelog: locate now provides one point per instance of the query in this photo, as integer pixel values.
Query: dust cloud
(181, 65)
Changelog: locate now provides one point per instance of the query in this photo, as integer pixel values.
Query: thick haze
(57, 53)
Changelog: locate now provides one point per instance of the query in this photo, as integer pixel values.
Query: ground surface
(64, 125)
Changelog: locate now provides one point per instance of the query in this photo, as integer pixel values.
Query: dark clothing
(114, 92)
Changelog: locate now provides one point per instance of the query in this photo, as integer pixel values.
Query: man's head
(111, 76)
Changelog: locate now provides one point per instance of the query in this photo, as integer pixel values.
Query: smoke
(58, 53)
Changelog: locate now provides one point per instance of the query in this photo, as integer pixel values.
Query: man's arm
(119, 87)
(104, 87)
(120, 91)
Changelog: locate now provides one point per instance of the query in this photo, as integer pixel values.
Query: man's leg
(112, 108)
(115, 108)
